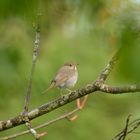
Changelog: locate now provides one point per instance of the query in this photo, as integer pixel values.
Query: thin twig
(135, 126)
(33, 131)
(108, 68)
(29, 87)
(106, 71)
(126, 128)
(80, 106)
(34, 59)
(122, 135)
(131, 127)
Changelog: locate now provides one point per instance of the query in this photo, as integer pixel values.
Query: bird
(65, 78)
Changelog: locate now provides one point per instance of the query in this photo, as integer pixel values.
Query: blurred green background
(86, 31)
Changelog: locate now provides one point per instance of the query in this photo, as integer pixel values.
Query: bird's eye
(70, 65)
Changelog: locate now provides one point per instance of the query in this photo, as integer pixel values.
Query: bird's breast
(72, 80)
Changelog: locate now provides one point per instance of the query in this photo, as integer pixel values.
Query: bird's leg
(68, 90)
(61, 89)
(61, 93)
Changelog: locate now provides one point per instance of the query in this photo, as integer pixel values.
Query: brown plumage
(66, 77)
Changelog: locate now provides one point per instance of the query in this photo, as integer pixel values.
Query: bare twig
(29, 87)
(135, 124)
(73, 118)
(34, 59)
(129, 128)
(106, 71)
(80, 106)
(33, 131)
(126, 128)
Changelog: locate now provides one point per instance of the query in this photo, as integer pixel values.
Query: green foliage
(88, 32)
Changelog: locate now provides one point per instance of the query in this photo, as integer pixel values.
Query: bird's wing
(61, 76)
(60, 79)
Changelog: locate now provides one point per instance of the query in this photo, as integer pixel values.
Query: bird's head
(71, 65)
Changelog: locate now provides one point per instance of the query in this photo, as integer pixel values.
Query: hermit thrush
(66, 77)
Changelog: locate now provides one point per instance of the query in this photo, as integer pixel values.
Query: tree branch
(119, 90)
(47, 107)
(65, 99)
(42, 125)
(106, 71)
(34, 59)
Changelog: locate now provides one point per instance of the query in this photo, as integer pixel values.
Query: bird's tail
(50, 87)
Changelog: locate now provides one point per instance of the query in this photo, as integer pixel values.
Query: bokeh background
(86, 31)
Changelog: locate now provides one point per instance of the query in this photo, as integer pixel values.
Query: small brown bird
(65, 78)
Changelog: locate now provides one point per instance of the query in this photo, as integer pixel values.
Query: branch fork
(98, 85)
